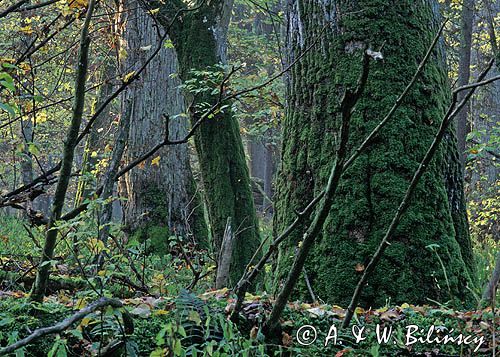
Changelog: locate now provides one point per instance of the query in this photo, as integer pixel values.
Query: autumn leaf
(26, 29)
(128, 77)
(77, 4)
(156, 161)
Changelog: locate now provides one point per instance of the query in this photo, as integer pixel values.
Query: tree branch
(63, 325)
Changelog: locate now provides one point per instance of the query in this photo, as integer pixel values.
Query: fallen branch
(63, 325)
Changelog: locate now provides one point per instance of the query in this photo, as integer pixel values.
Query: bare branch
(63, 325)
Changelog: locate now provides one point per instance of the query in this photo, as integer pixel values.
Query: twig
(12, 8)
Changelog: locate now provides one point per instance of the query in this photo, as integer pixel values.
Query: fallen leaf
(359, 267)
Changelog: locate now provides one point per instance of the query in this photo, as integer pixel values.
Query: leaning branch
(12, 8)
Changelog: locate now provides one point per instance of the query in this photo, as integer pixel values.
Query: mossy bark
(199, 38)
(372, 188)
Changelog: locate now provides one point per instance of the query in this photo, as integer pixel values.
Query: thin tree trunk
(466, 23)
(97, 137)
(199, 38)
(42, 276)
(491, 288)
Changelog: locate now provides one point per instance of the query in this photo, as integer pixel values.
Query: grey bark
(466, 22)
(262, 169)
(160, 193)
(225, 255)
(490, 291)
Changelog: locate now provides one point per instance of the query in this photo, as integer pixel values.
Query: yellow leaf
(161, 312)
(405, 306)
(128, 76)
(359, 310)
(81, 303)
(41, 117)
(122, 53)
(77, 3)
(26, 29)
(155, 11)
(156, 161)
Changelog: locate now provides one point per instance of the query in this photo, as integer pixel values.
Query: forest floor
(162, 319)
(202, 322)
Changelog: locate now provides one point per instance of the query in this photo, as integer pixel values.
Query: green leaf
(8, 108)
(168, 44)
(32, 148)
(9, 85)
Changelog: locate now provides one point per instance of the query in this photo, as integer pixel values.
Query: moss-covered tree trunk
(370, 191)
(199, 37)
(161, 198)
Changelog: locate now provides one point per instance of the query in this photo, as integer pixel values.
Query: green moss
(372, 189)
(218, 143)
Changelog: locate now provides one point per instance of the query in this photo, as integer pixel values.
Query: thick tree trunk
(467, 21)
(161, 197)
(200, 42)
(371, 189)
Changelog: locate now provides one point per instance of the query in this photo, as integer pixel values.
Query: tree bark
(466, 23)
(199, 38)
(490, 290)
(161, 196)
(370, 190)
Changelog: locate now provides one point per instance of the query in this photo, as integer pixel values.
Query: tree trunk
(489, 293)
(262, 169)
(372, 188)
(45, 265)
(94, 147)
(200, 42)
(161, 197)
(467, 21)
